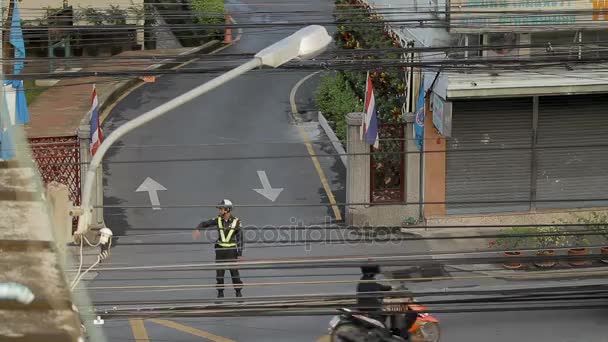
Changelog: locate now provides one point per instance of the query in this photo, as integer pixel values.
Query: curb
(536, 275)
(334, 139)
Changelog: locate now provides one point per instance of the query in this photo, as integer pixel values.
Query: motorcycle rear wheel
(350, 330)
(428, 332)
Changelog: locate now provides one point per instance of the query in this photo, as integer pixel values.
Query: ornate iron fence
(387, 165)
(58, 159)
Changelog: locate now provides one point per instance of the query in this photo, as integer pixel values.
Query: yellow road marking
(192, 331)
(324, 338)
(320, 173)
(139, 330)
(310, 149)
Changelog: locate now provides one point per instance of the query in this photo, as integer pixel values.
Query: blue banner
(419, 122)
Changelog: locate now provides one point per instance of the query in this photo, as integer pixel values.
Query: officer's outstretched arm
(206, 224)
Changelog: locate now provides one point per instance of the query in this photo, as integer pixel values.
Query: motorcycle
(425, 328)
(351, 327)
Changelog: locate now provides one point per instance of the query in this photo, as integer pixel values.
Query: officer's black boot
(220, 294)
(239, 294)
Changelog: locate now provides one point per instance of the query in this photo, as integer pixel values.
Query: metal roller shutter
(489, 156)
(568, 165)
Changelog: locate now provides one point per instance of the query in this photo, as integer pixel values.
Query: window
(595, 44)
(558, 43)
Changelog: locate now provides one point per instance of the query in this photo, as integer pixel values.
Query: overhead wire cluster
(346, 60)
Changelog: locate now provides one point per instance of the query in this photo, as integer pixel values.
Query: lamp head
(305, 43)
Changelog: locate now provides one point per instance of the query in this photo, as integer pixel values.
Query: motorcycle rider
(371, 304)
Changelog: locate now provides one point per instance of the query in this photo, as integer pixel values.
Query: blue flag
(7, 148)
(22, 114)
(419, 122)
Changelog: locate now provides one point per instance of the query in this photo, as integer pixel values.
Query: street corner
(302, 100)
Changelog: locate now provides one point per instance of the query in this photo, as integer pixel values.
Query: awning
(546, 81)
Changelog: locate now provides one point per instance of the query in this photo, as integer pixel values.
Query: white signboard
(442, 115)
(475, 16)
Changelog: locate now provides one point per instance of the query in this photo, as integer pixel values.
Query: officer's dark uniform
(228, 247)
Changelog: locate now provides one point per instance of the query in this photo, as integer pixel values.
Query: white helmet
(226, 204)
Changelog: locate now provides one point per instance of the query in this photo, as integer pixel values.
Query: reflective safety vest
(226, 240)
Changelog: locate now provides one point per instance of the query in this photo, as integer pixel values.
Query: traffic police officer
(229, 245)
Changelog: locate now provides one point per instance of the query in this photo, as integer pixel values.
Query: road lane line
(190, 330)
(310, 149)
(321, 174)
(139, 330)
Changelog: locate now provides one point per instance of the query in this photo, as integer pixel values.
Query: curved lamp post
(305, 43)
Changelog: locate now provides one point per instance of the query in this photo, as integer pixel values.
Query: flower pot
(545, 263)
(604, 251)
(512, 265)
(578, 251)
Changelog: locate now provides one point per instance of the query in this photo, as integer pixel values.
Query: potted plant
(509, 241)
(546, 244)
(580, 243)
(597, 222)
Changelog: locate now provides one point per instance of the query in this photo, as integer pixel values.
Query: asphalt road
(250, 117)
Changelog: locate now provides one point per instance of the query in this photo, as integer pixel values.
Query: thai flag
(369, 126)
(96, 134)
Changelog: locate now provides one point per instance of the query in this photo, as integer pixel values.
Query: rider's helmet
(225, 204)
(370, 270)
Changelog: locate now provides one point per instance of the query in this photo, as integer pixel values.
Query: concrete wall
(434, 167)
(34, 9)
(422, 36)
(506, 219)
(31, 9)
(357, 182)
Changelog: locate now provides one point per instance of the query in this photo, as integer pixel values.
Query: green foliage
(552, 239)
(140, 12)
(594, 221)
(209, 11)
(31, 91)
(336, 98)
(510, 238)
(116, 15)
(92, 15)
(389, 83)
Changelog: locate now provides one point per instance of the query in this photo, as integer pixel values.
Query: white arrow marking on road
(267, 191)
(152, 187)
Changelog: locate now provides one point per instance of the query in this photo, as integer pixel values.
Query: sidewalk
(59, 110)
(442, 240)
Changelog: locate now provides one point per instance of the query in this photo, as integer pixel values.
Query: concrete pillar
(412, 168)
(58, 200)
(84, 135)
(357, 172)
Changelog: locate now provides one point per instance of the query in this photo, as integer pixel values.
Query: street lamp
(305, 43)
